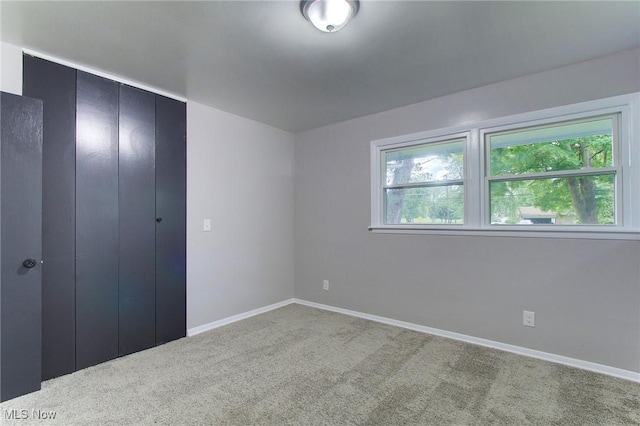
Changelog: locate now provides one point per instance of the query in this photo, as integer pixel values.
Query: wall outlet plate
(529, 318)
(325, 285)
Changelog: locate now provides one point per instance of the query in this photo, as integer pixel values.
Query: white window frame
(616, 169)
(626, 152)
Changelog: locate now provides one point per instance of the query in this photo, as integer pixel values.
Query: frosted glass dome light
(329, 15)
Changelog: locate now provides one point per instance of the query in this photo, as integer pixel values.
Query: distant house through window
(533, 216)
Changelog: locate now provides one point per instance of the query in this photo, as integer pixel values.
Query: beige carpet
(303, 366)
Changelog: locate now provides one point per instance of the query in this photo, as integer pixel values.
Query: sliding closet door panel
(171, 213)
(55, 85)
(137, 205)
(96, 220)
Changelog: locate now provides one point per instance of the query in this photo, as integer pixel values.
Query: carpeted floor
(303, 366)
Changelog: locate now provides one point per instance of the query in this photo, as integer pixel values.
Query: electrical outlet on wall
(325, 285)
(529, 318)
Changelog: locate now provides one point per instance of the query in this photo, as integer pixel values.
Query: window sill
(511, 231)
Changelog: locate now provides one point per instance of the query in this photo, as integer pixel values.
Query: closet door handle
(158, 219)
(29, 263)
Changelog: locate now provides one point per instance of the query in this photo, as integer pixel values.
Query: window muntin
(424, 183)
(559, 173)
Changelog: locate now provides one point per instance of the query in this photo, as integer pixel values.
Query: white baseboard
(558, 359)
(215, 324)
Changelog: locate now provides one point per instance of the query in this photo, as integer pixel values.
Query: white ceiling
(264, 61)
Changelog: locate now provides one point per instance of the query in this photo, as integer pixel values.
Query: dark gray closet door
(55, 85)
(137, 206)
(20, 244)
(171, 212)
(96, 220)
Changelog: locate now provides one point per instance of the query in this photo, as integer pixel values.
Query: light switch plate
(206, 226)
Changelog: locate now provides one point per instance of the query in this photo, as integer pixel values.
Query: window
(424, 183)
(565, 172)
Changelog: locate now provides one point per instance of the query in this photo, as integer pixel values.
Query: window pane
(570, 146)
(432, 205)
(575, 200)
(424, 163)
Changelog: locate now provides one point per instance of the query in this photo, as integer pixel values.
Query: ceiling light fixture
(329, 15)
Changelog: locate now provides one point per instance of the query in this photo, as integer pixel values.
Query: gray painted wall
(10, 68)
(585, 293)
(239, 175)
